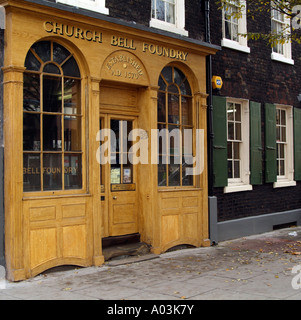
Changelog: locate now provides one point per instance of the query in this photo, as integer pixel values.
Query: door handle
(115, 198)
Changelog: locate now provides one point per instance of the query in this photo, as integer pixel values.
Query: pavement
(261, 267)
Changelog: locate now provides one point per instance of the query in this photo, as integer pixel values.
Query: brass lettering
(48, 29)
(122, 43)
(164, 51)
(71, 31)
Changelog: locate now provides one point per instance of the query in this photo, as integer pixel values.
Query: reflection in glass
(72, 171)
(52, 172)
(31, 92)
(31, 172)
(31, 132)
(52, 94)
(52, 139)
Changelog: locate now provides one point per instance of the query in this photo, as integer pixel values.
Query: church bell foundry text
(120, 42)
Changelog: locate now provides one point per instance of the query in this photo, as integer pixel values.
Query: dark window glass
(31, 92)
(73, 171)
(175, 113)
(52, 120)
(43, 50)
(52, 94)
(31, 132)
(52, 68)
(52, 172)
(32, 63)
(31, 172)
(71, 69)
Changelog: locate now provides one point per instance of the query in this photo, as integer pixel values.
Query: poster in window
(127, 176)
(115, 176)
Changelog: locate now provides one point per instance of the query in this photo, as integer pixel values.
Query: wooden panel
(170, 228)
(180, 211)
(42, 246)
(42, 213)
(189, 226)
(74, 242)
(74, 210)
(124, 213)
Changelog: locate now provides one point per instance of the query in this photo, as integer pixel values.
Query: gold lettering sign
(71, 31)
(115, 41)
(165, 51)
(50, 170)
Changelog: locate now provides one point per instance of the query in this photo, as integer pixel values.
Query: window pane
(236, 169)
(73, 171)
(72, 133)
(161, 107)
(237, 112)
(173, 109)
(60, 54)
(187, 180)
(230, 111)
(31, 92)
(230, 169)
(162, 84)
(170, 13)
(43, 50)
(52, 94)
(167, 74)
(51, 68)
(238, 131)
(160, 12)
(186, 111)
(174, 174)
(32, 63)
(31, 172)
(230, 130)
(71, 69)
(72, 96)
(52, 138)
(31, 132)
(179, 76)
(52, 172)
(185, 88)
(162, 174)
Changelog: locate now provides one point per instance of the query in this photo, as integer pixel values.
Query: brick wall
(256, 77)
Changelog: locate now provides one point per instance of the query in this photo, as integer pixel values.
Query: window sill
(158, 24)
(284, 183)
(235, 46)
(238, 188)
(281, 58)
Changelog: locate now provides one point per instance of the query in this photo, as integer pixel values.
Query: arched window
(52, 120)
(175, 122)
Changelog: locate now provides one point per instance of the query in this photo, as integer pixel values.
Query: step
(126, 250)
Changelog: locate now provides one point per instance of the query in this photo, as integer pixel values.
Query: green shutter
(297, 143)
(255, 143)
(220, 161)
(270, 143)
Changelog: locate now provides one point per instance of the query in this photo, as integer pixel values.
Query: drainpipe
(209, 100)
(212, 200)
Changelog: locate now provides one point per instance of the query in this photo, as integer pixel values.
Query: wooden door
(119, 195)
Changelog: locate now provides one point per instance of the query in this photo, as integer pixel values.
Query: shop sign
(115, 41)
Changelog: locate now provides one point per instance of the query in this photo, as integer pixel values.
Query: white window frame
(179, 25)
(242, 43)
(288, 179)
(243, 183)
(286, 56)
(92, 5)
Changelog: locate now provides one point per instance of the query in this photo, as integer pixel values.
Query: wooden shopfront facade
(66, 76)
